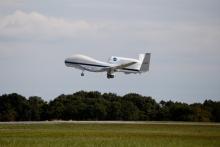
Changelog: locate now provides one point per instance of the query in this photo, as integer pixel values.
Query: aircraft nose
(66, 60)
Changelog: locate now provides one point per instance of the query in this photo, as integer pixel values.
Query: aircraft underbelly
(91, 68)
(128, 71)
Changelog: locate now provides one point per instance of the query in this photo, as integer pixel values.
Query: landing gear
(82, 74)
(110, 76)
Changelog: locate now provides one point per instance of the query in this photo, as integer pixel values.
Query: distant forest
(93, 105)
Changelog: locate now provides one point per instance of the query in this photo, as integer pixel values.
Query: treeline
(108, 106)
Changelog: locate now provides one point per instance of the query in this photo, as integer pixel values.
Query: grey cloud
(34, 24)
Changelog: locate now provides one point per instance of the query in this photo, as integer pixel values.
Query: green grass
(109, 135)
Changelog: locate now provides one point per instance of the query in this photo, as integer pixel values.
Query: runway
(112, 122)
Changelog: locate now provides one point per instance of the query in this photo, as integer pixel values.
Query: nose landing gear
(110, 76)
(82, 74)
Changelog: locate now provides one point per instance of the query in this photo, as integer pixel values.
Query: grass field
(109, 135)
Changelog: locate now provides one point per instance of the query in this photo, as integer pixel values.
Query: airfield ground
(109, 134)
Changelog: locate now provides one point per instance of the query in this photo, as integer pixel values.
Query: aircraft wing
(120, 66)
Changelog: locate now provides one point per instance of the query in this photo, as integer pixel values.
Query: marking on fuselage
(78, 63)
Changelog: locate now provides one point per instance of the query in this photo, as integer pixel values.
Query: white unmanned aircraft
(114, 64)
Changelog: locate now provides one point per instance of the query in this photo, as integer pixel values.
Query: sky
(183, 38)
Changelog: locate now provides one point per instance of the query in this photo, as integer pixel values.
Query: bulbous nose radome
(67, 61)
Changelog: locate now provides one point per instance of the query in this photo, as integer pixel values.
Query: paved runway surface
(112, 122)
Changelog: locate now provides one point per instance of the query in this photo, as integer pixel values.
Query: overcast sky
(182, 36)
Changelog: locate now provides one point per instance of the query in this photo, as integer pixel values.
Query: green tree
(37, 108)
(13, 107)
(115, 111)
(56, 108)
(181, 112)
(200, 114)
(129, 111)
(214, 108)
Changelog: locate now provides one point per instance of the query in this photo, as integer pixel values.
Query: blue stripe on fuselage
(78, 63)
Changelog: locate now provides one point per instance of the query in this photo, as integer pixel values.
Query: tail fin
(145, 62)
